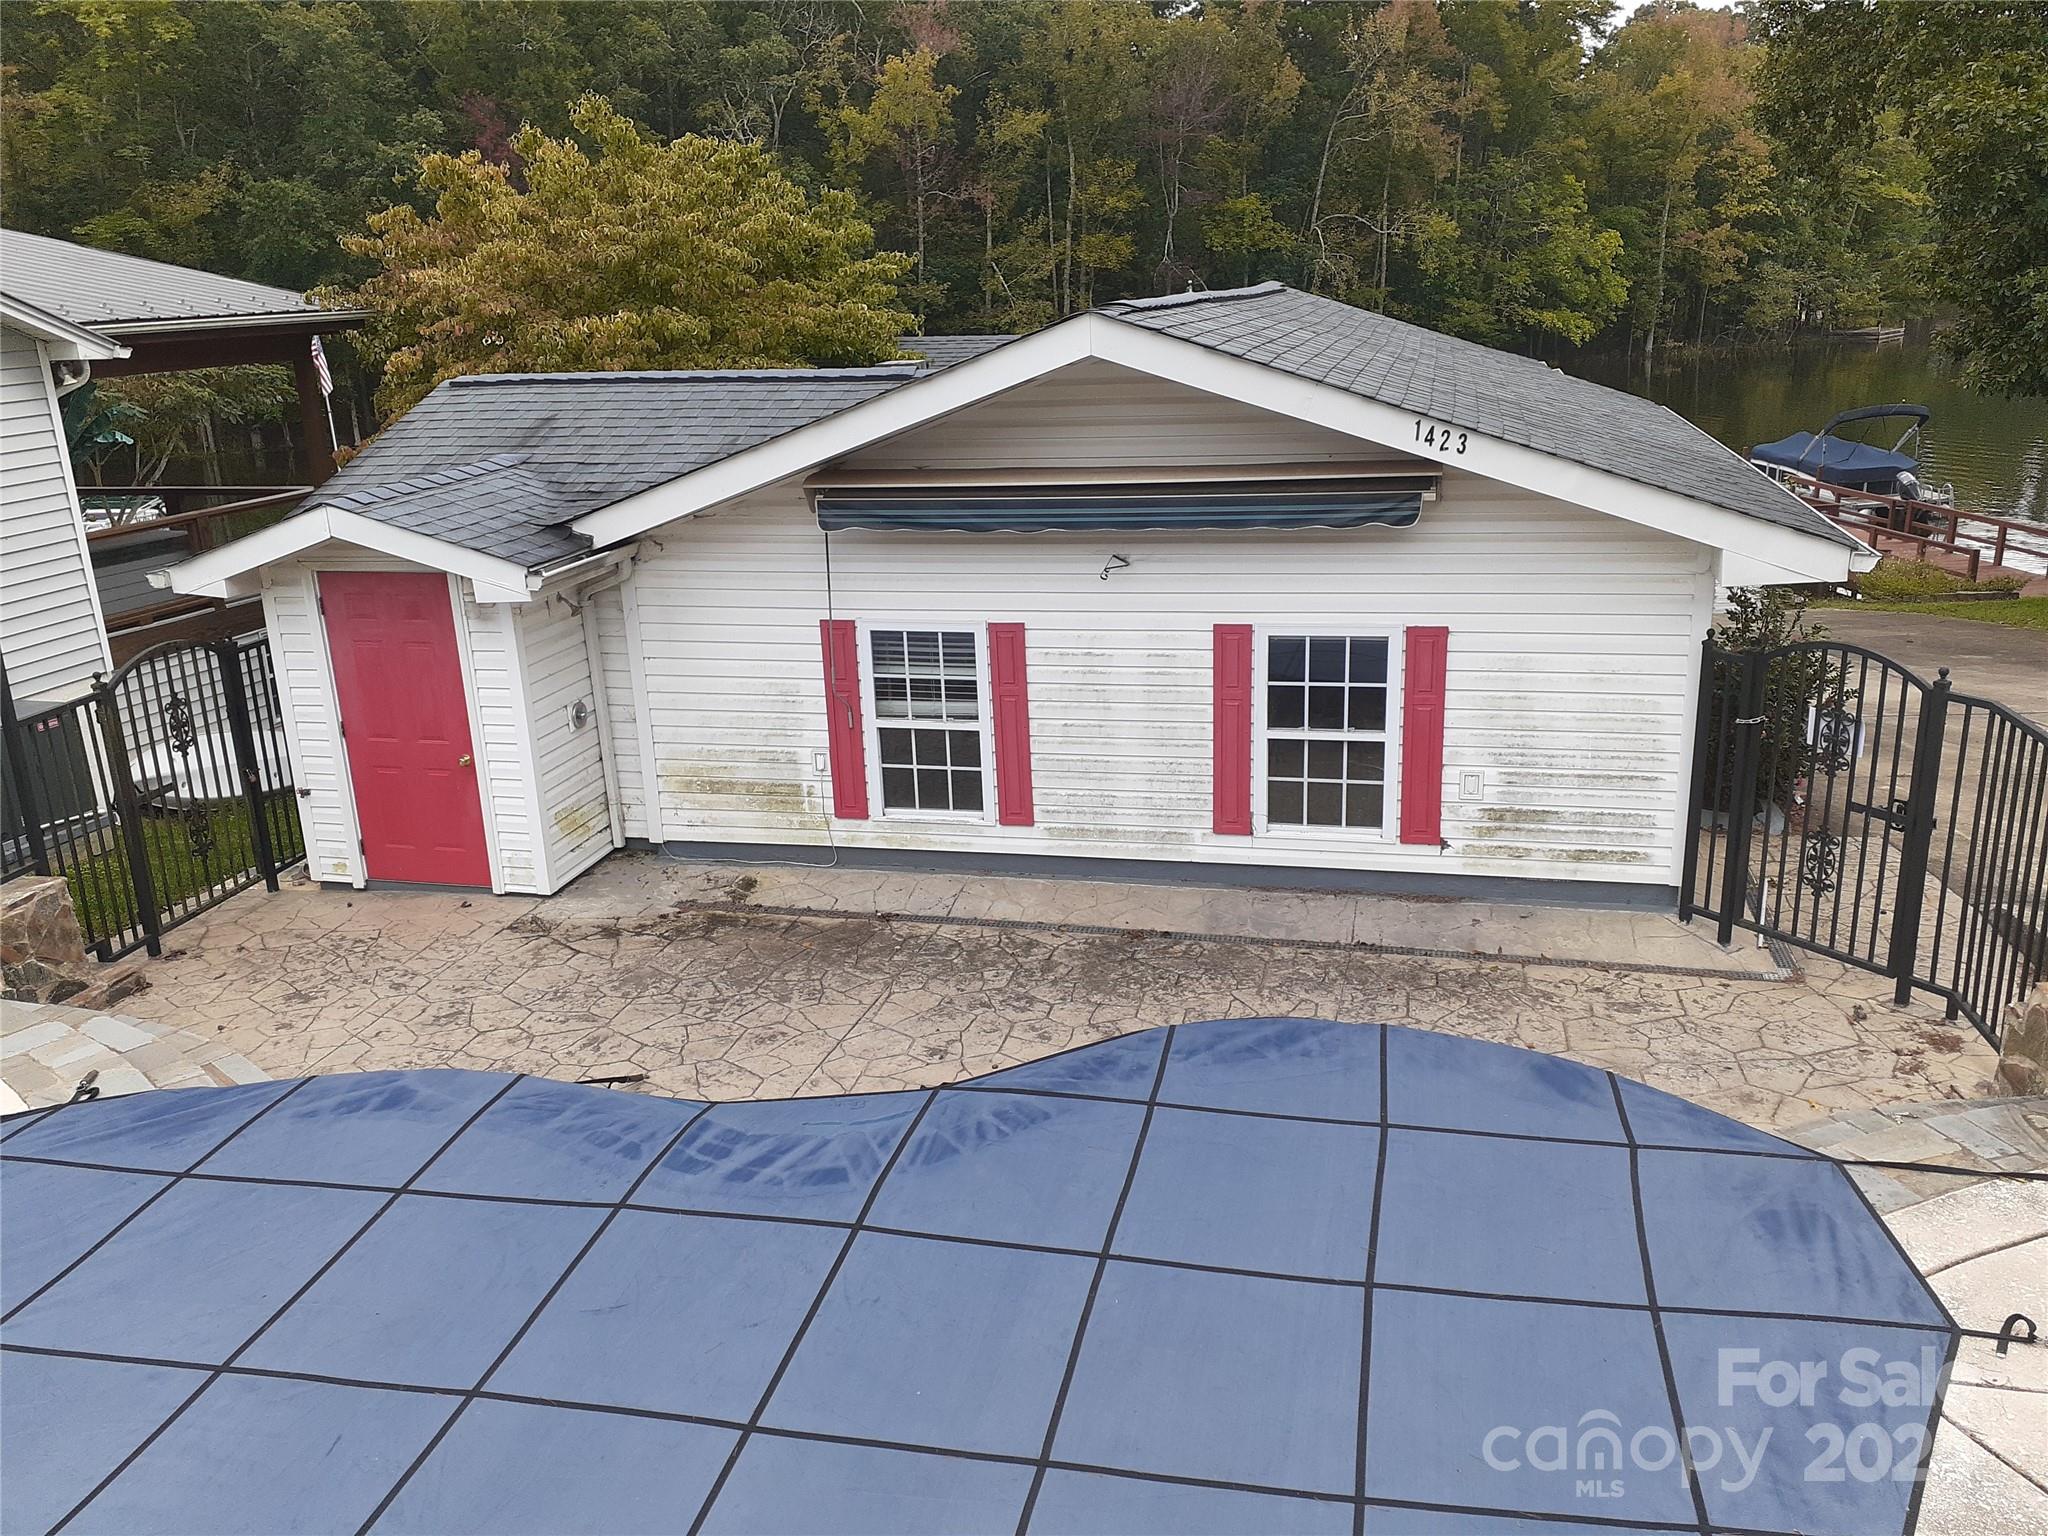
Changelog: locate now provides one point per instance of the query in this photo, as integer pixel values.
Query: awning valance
(1391, 502)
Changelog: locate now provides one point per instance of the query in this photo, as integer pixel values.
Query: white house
(51, 631)
(66, 312)
(1243, 586)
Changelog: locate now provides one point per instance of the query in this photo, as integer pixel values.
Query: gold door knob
(462, 761)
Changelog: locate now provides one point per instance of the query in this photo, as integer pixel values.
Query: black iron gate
(163, 791)
(1849, 807)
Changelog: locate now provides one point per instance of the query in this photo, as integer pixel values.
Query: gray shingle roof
(497, 463)
(945, 351)
(501, 463)
(1500, 394)
(107, 289)
(494, 506)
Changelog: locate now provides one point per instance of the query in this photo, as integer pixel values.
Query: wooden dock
(1974, 545)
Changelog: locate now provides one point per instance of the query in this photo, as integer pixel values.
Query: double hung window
(1326, 743)
(929, 717)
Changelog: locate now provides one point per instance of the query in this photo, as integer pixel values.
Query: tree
(152, 420)
(1214, 88)
(1969, 84)
(1523, 171)
(1085, 62)
(1389, 118)
(1679, 164)
(908, 118)
(631, 254)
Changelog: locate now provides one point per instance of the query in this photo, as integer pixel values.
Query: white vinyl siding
(305, 692)
(1573, 652)
(50, 628)
(305, 681)
(497, 695)
(575, 819)
(1097, 415)
(622, 698)
(1573, 641)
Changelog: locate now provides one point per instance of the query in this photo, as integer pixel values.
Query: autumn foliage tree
(607, 250)
(1539, 174)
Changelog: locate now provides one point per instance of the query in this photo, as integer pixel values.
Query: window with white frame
(1326, 731)
(928, 718)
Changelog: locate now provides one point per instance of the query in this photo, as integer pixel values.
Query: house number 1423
(1434, 434)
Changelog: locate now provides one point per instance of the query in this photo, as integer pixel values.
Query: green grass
(104, 895)
(1896, 580)
(2012, 613)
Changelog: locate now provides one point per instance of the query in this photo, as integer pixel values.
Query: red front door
(405, 723)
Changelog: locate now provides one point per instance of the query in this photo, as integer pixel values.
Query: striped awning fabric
(1351, 503)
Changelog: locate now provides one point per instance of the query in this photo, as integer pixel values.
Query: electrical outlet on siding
(820, 764)
(1472, 784)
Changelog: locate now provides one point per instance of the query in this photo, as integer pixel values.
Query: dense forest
(1527, 174)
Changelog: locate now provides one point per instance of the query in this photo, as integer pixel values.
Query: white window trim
(1396, 637)
(871, 722)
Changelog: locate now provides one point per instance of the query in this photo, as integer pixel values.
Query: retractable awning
(1393, 502)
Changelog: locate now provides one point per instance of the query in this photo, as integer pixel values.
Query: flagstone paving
(722, 982)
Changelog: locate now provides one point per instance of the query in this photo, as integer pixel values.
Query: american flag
(320, 367)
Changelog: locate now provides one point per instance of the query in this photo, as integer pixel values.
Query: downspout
(579, 603)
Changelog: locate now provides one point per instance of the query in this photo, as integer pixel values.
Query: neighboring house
(66, 312)
(51, 634)
(1247, 585)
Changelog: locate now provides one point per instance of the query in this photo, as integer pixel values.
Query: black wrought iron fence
(163, 791)
(1852, 808)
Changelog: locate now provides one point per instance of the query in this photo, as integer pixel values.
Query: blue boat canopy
(1843, 461)
(1834, 458)
(1394, 502)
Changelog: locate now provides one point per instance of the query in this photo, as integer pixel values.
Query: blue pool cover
(1258, 1275)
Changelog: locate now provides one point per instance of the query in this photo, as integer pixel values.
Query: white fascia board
(233, 569)
(1166, 357)
(1020, 362)
(1733, 569)
(63, 340)
(902, 409)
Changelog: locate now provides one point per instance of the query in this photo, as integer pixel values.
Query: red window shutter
(843, 736)
(1232, 794)
(1010, 698)
(1422, 735)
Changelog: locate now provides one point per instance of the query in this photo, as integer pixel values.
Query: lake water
(1994, 451)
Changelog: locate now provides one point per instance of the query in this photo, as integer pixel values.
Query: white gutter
(145, 328)
(65, 340)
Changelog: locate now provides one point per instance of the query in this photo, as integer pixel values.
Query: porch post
(1919, 838)
(1697, 804)
(1747, 725)
(316, 443)
(227, 655)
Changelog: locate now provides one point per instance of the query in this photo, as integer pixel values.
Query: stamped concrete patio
(725, 982)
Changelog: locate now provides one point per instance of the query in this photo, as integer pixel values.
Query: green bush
(1795, 684)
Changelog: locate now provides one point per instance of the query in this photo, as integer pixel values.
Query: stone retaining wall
(2023, 1049)
(42, 951)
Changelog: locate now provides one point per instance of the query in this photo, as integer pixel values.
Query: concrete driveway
(1989, 660)
(720, 982)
